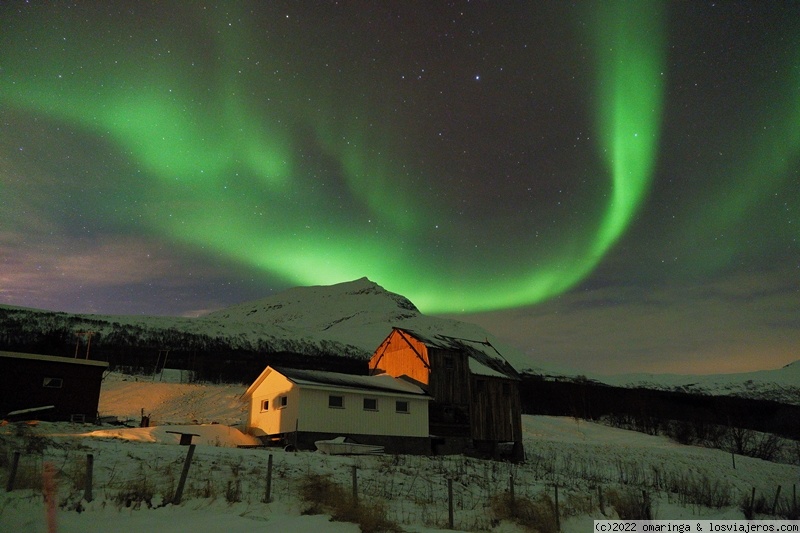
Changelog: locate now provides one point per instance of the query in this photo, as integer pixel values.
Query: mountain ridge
(351, 319)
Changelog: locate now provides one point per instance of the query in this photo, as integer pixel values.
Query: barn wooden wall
(496, 410)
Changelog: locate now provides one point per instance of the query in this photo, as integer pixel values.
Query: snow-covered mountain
(349, 319)
(782, 384)
(359, 314)
(353, 318)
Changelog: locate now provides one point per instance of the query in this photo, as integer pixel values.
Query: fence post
(600, 499)
(450, 503)
(186, 464)
(775, 501)
(13, 474)
(355, 484)
(558, 517)
(50, 492)
(87, 492)
(268, 494)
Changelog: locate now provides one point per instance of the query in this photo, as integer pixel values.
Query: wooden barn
(299, 407)
(49, 388)
(476, 405)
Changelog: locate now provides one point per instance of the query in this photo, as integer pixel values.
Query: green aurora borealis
(470, 157)
(194, 151)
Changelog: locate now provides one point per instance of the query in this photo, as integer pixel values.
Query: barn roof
(379, 383)
(484, 359)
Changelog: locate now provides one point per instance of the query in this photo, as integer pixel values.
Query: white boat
(346, 446)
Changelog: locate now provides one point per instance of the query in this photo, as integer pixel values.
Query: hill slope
(345, 319)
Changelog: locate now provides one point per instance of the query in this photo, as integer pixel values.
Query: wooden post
(775, 501)
(600, 499)
(450, 522)
(512, 500)
(268, 494)
(50, 493)
(87, 490)
(13, 474)
(733, 459)
(558, 517)
(186, 464)
(355, 484)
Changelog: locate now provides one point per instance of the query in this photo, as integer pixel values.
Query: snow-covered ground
(226, 484)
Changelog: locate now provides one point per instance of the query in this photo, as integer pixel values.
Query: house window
(336, 402)
(401, 406)
(264, 405)
(282, 401)
(370, 404)
(53, 383)
(448, 363)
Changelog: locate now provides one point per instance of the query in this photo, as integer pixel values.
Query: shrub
(135, 493)
(631, 505)
(533, 514)
(323, 495)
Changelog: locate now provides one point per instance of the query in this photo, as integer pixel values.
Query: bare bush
(325, 496)
(631, 504)
(533, 514)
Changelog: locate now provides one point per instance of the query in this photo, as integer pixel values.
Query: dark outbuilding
(45, 387)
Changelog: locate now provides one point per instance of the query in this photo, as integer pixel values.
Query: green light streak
(228, 179)
(630, 90)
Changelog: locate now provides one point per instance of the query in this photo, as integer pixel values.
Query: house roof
(484, 359)
(53, 359)
(379, 383)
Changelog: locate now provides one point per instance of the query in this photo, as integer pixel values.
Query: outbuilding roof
(380, 383)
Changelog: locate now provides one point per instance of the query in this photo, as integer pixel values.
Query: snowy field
(136, 472)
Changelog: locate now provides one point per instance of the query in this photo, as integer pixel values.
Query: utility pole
(88, 335)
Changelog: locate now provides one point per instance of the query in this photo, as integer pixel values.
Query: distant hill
(335, 327)
(320, 326)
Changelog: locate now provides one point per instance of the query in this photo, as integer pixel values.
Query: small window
(448, 363)
(282, 401)
(370, 404)
(401, 406)
(336, 402)
(264, 405)
(53, 383)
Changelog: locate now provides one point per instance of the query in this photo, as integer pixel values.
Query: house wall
(307, 410)
(276, 419)
(402, 355)
(22, 378)
(317, 416)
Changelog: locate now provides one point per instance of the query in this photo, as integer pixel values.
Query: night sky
(609, 186)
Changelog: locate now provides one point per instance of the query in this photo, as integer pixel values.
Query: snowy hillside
(598, 471)
(359, 313)
(349, 319)
(782, 384)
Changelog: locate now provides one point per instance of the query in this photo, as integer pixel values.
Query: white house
(299, 407)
